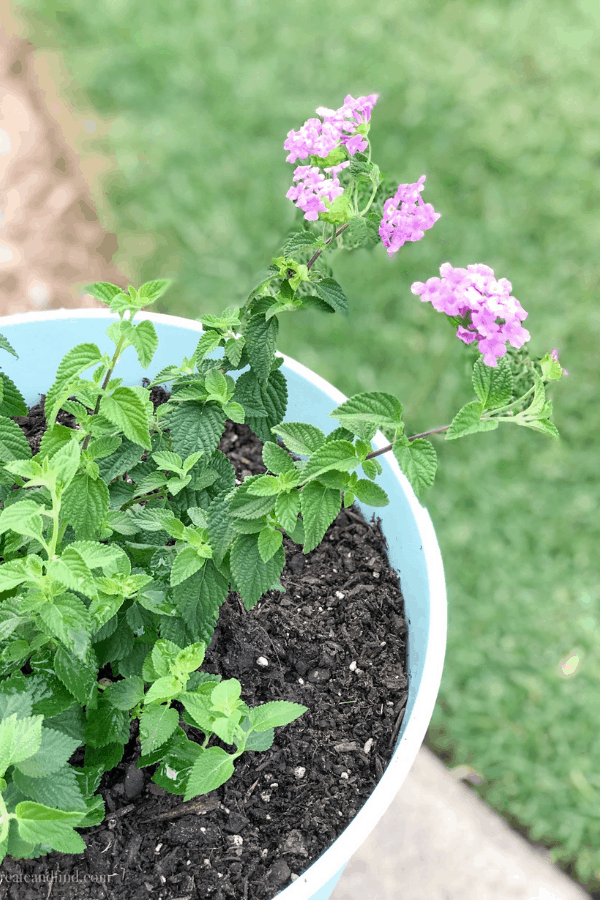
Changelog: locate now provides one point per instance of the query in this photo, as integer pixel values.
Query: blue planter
(42, 339)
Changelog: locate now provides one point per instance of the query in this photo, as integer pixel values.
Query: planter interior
(43, 338)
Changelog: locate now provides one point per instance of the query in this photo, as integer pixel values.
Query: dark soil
(335, 642)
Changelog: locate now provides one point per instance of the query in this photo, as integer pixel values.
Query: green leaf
(198, 600)
(264, 486)
(79, 676)
(493, 385)
(125, 694)
(287, 508)
(215, 383)
(196, 426)
(261, 340)
(144, 338)
(106, 725)
(274, 714)
(65, 462)
(545, 426)
(300, 437)
(72, 572)
(60, 789)
(103, 290)
(468, 421)
(6, 345)
(186, 563)
(330, 291)
(364, 413)
(298, 240)
(125, 409)
(274, 398)
(260, 740)
(96, 555)
(418, 461)
(267, 278)
(22, 517)
(85, 506)
(236, 412)
(13, 573)
(212, 769)
(234, 348)
(190, 658)
(209, 341)
(152, 290)
(269, 542)
(12, 403)
(253, 577)
(220, 530)
(13, 443)
(76, 361)
(320, 506)
(39, 824)
(124, 458)
(368, 492)
(20, 739)
(338, 455)
(157, 724)
(225, 696)
(276, 459)
(55, 749)
(67, 618)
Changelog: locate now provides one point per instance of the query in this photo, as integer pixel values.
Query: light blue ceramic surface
(41, 340)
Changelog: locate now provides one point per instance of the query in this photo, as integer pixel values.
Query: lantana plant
(121, 537)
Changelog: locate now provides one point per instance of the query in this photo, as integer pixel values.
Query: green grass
(499, 103)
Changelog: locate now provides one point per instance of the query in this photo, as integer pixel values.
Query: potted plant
(123, 534)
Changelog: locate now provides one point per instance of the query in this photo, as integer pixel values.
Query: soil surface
(335, 641)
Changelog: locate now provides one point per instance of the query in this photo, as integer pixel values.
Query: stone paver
(439, 841)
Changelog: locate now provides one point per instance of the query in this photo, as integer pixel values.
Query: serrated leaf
(144, 338)
(468, 421)
(79, 676)
(298, 240)
(261, 340)
(186, 563)
(196, 426)
(60, 789)
(209, 341)
(253, 577)
(275, 714)
(13, 573)
(198, 599)
(418, 461)
(300, 438)
(12, 403)
(67, 618)
(320, 506)
(54, 751)
(249, 395)
(267, 278)
(74, 363)
(65, 462)
(22, 517)
(157, 724)
(40, 824)
(287, 508)
(365, 413)
(124, 458)
(6, 345)
(212, 769)
(72, 572)
(97, 555)
(368, 492)
(264, 486)
(20, 739)
(103, 290)
(338, 455)
(545, 426)
(125, 694)
(260, 740)
(220, 530)
(13, 443)
(493, 385)
(234, 347)
(269, 542)
(152, 290)
(330, 291)
(125, 409)
(276, 459)
(106, 725)
(85, 505)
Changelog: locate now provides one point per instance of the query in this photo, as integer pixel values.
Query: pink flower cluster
(312, 186)
(475, 293)
(410, 221)
(319, 138)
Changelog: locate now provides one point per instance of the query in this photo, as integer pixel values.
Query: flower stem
(413, 437)
(336, 234)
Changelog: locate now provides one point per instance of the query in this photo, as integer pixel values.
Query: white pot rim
(413, 732)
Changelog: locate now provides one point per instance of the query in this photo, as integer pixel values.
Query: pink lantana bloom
(312, 187)
(554, 356)
(338, 127)
(492, 316)
(408, 223)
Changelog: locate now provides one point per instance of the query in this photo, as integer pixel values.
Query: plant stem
(107, 378)
(55, 526)
(413, 437)
(315, 257)
(372, 197)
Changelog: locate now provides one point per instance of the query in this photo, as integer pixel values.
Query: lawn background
(499, 104)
